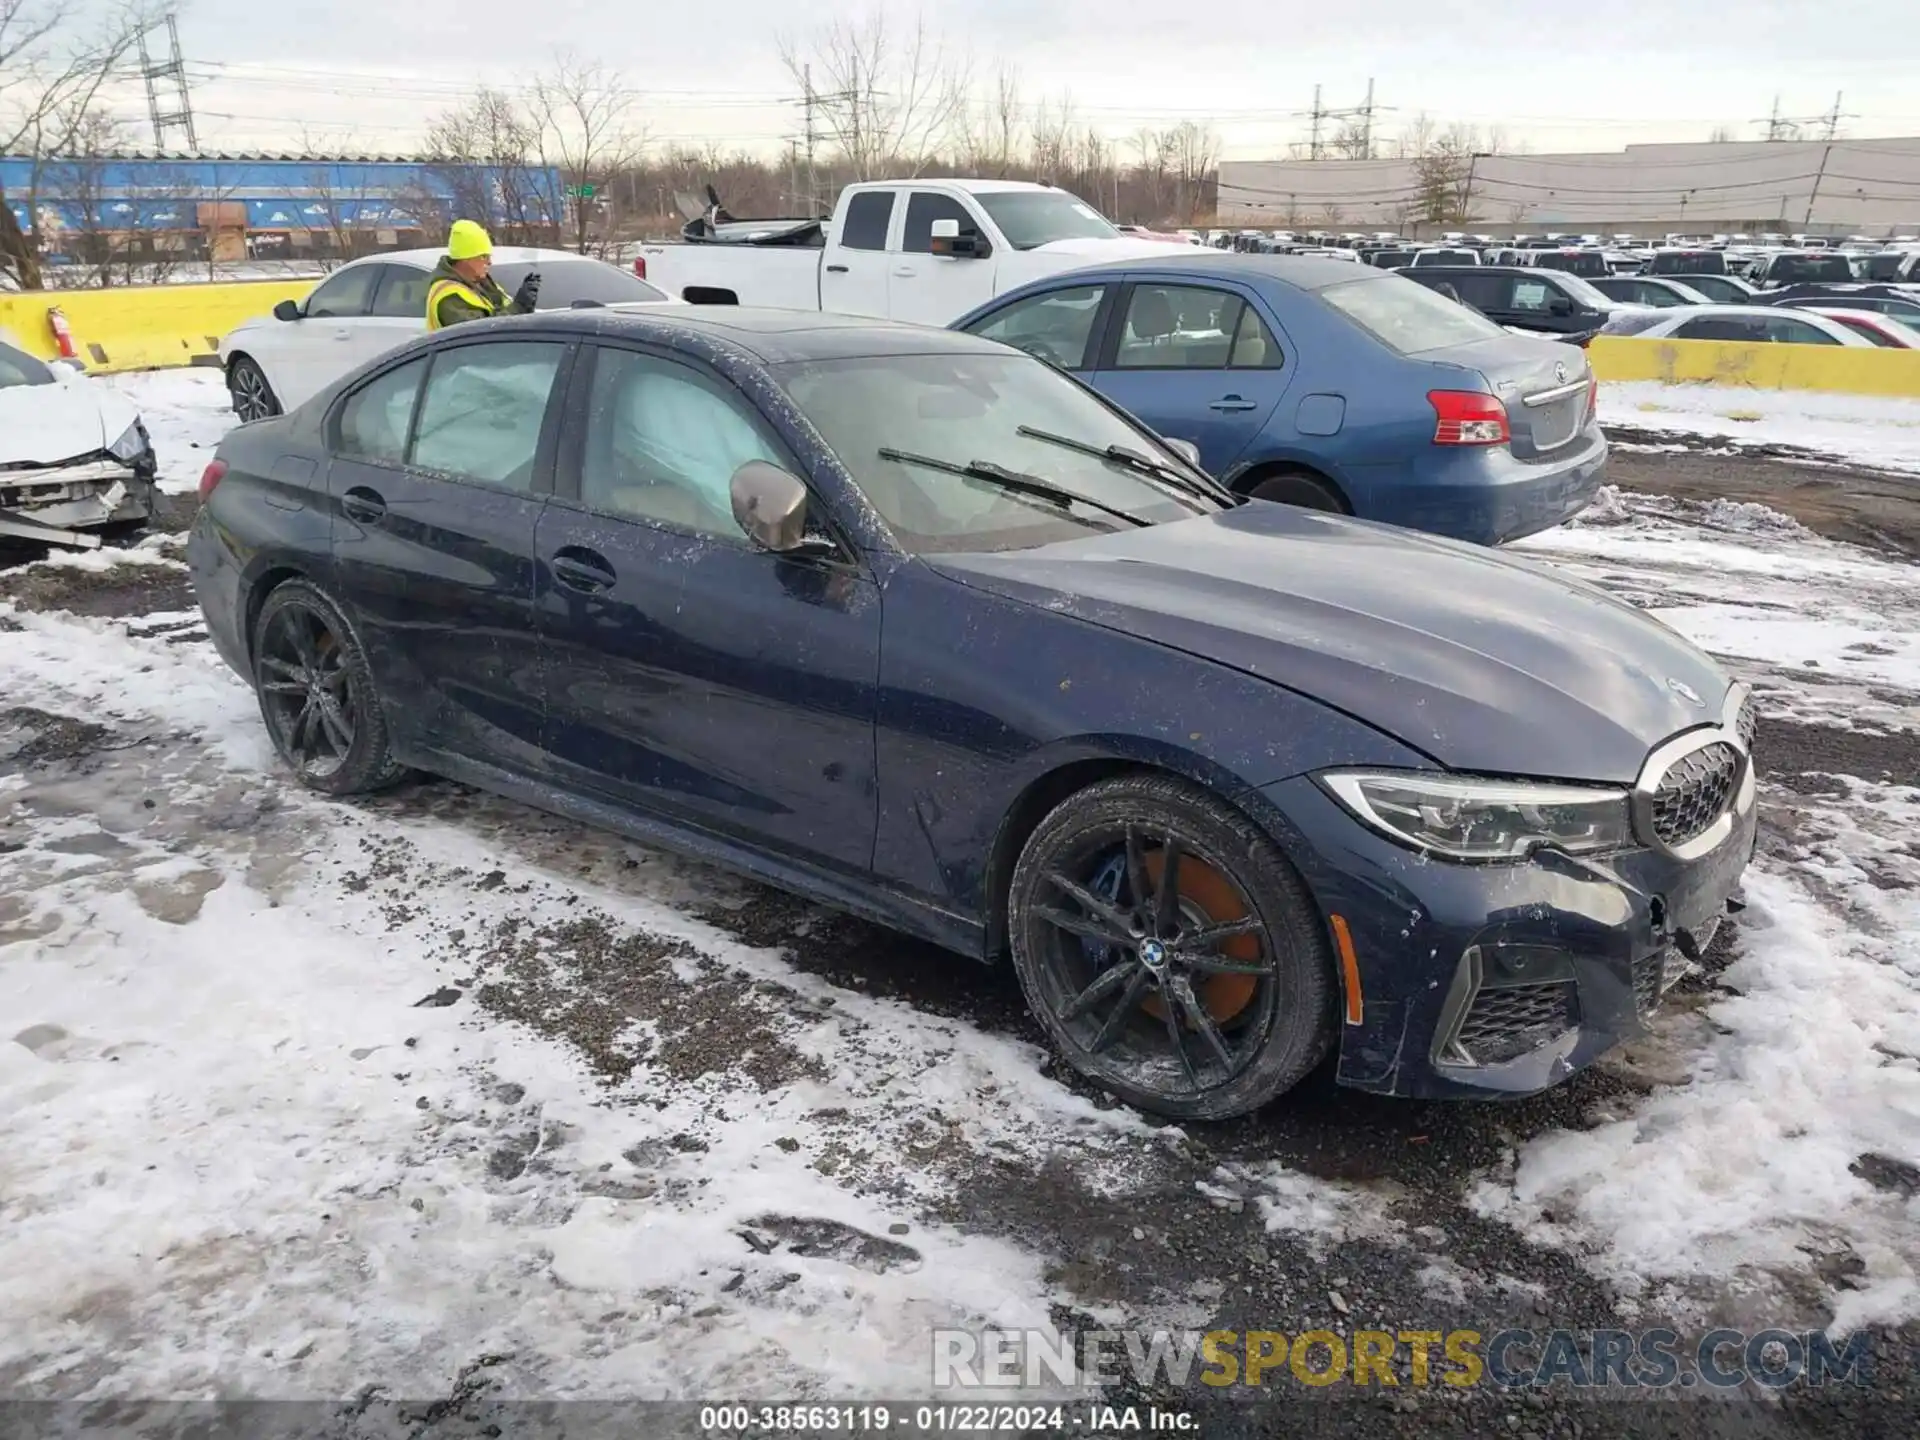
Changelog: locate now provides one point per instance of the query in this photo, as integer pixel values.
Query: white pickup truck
(923, 251)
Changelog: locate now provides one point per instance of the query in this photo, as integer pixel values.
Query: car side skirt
(878, 905)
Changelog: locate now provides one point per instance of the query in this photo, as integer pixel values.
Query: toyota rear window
(1406, 316)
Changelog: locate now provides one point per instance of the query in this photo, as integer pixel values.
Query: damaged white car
(74, 457)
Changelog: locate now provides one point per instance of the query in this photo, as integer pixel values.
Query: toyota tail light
(211, 476)
(1468, 417)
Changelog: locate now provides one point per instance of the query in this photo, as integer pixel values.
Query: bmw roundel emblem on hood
(1686, 692)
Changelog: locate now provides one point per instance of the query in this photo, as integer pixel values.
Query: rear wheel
(317, 694)
(253, 397)
(1301, 488)
(1170, 951)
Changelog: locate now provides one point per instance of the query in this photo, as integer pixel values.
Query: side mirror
(287, 310)
(948, 241)
(1560, 305)
(68, 372)
(770, 505)
(1185, 449)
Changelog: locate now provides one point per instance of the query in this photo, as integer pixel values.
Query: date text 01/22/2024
(964, 1419)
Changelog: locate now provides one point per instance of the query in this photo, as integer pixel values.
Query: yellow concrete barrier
(1837, 368)
(143, 327)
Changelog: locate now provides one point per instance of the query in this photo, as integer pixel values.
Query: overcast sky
(364, 74)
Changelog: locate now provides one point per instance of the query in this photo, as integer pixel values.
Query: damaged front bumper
(65, 503)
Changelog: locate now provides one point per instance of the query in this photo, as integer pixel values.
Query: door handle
(579, 568)
(905, 272)
(836, 269)
(343, 334)
(362, 504)
(1232, 402)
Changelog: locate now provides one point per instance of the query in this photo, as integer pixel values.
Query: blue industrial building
(237, 205)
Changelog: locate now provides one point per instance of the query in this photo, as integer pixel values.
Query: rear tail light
(1593, 396)
(1468, 417)
(211, 476)
(639, 267)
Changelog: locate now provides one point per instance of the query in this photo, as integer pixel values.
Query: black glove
(527, 297)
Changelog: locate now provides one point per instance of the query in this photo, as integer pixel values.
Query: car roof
(774, 337)
(502, 255)
(1303, 272)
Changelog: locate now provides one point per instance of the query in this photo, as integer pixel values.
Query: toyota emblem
(1559, 371)
(1686, 692)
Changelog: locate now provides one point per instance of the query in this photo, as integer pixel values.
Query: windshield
(564, 281)
(1031, 218)
(961, 408)
(19, 368)
(1407, 317)
(1588, 295)
(1712, 262)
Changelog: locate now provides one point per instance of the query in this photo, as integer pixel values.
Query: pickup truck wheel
(253, 397)
(1301, 488)
(1170, 951)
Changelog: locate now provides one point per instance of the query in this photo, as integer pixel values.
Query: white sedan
(74, 457)
(1745, 324)
(369, 306)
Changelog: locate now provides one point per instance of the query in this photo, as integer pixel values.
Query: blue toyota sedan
(910, 623)
(1327, 385)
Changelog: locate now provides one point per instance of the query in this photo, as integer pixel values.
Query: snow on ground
(1866, 429)
(230, 1117)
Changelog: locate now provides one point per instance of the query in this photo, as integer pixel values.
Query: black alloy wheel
(317, 695)
(253, 397)
(1170, 951)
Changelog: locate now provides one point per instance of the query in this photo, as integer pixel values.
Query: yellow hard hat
(467, 241)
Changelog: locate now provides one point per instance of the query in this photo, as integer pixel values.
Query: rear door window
(402, 293)
(1178, 327)
(1723, 327)
(483, 410)
(869, 216)
(1785, 330)
(372, 423)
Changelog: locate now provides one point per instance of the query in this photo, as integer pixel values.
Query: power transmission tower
(1366, 124)
(173, 68)
(1833, 118)
(1778, 126)
(1313, 146)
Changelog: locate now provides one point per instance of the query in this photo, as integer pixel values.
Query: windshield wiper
(1139, 463)
(1013, 480)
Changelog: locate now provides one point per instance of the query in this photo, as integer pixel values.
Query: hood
(1483, 662)
(45, 424)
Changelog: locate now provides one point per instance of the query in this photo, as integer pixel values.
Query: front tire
(317, 694)
(1171, 953)
(253, 397)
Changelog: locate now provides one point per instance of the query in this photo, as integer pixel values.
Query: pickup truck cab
(922, 251)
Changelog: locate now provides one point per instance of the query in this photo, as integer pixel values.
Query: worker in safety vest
(463, 287)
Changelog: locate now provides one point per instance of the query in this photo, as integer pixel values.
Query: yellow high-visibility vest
(443, 287)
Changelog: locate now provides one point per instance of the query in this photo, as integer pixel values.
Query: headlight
(1465, 818)
(132, 444)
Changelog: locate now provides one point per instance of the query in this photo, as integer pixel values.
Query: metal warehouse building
(1845, 186)
(231, 207)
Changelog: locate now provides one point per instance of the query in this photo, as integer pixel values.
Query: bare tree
(889, 99)
(988, 143)
(1721, 135)
(1352, 141)
(584, 128)
(482, 156)
(1195, 153)
(1443, 168)
(55, 56)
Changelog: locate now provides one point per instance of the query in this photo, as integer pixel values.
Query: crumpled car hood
(45, 424)
(1482, 661)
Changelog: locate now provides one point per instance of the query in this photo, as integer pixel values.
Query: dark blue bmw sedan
(1328, 385)
(913, 624)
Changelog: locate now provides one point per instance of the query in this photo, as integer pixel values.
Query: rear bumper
(1488, 497)
(217, 585)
